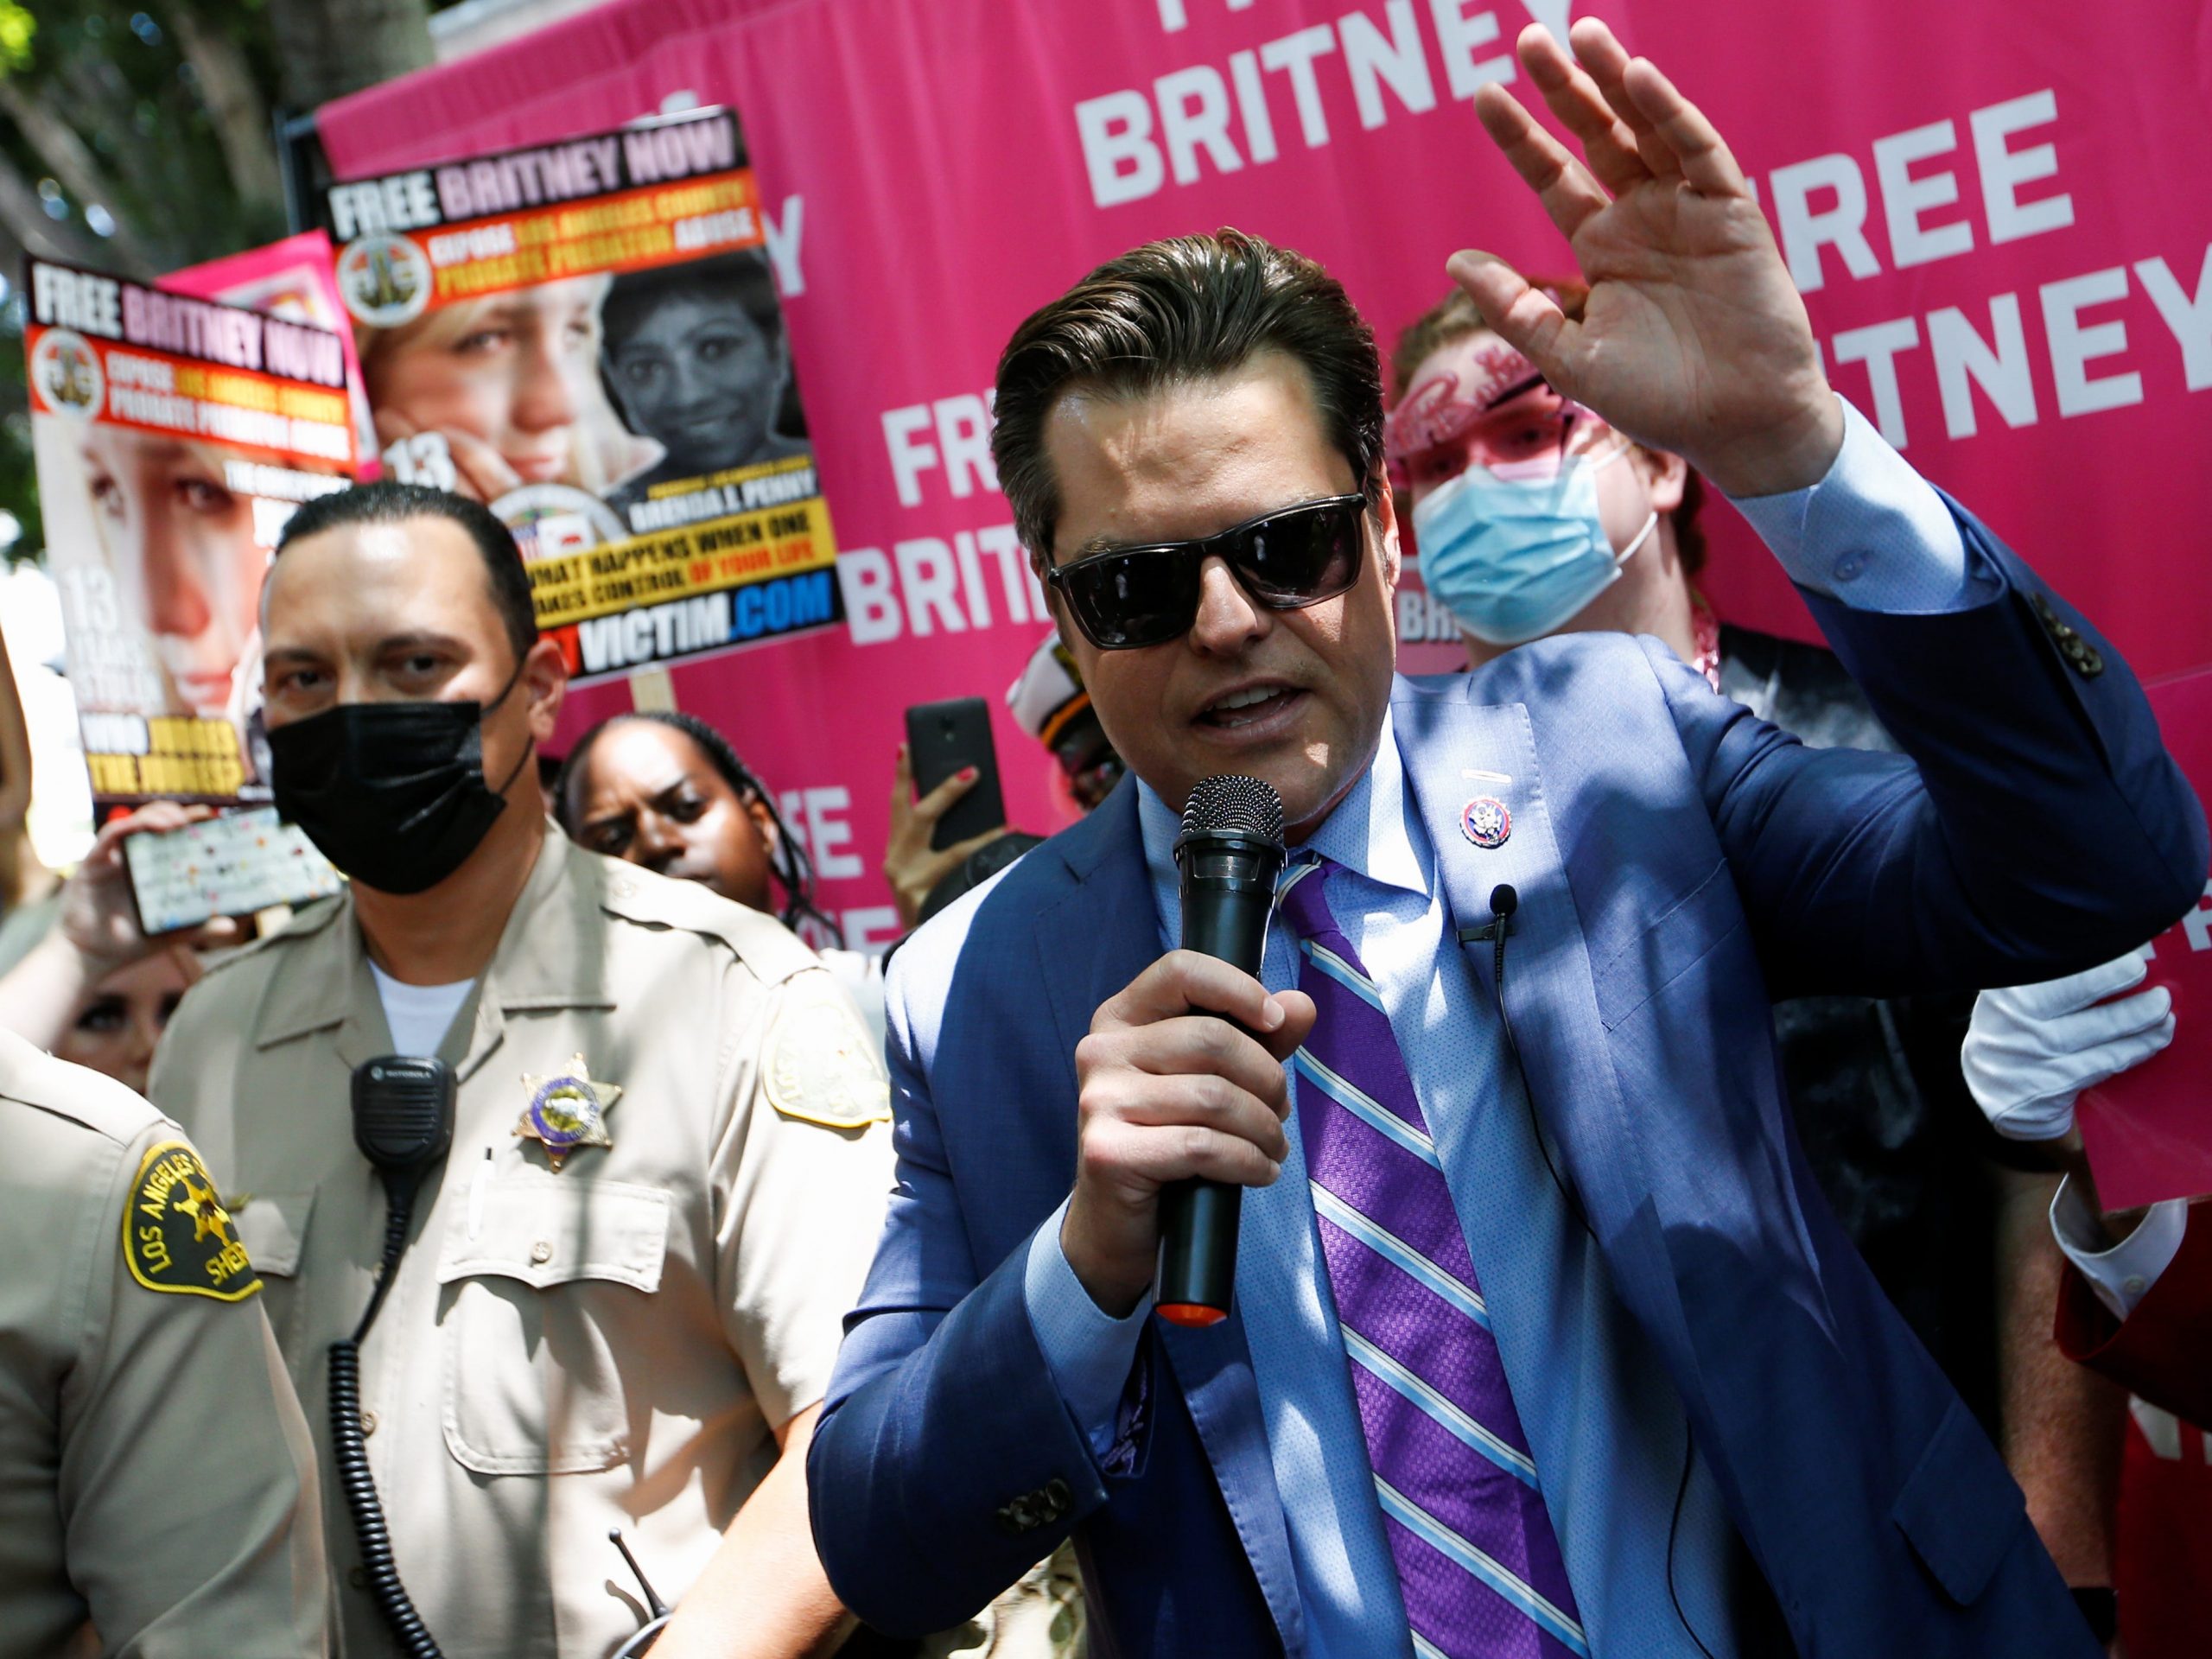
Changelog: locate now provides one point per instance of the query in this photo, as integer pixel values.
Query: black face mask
(392, 793)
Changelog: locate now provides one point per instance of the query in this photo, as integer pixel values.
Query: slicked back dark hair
(1190, 308)
(386, 503)
(793, 869)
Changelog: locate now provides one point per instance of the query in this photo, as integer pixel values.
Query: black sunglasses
(1129, 597)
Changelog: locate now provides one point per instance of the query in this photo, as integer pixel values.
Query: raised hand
(1694, 338)
(912, 866)
(444, 458)
(95, 933)
(2031, 1050)
(98, 916)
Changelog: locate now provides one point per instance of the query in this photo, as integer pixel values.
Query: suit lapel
(1607, 1451)
(1456, 750)
(1103, 931)
(1214, 1370)
(1098, 936)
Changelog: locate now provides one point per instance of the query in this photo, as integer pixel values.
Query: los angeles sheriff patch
(820, 1069)
(177, 1237)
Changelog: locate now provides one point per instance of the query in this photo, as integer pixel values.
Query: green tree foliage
(136, 137)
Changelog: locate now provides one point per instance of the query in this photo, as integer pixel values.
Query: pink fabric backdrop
(1999, 212)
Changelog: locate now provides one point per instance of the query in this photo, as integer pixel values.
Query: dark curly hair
(793, 869)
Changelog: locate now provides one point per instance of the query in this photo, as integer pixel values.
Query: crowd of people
(543, 1224)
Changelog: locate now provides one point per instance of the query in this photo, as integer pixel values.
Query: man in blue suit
(1544, 1342)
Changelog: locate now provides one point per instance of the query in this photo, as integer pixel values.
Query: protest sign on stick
(586, 336)
(293, 279)
(174, 437)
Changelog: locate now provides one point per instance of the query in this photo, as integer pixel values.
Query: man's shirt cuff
(1873, 534)
(2122, 1273)
(1089, 1351)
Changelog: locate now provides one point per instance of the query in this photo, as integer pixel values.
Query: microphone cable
(1504, 902)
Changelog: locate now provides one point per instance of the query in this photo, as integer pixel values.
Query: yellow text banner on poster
(683, 563)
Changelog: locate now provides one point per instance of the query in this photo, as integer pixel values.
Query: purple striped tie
(1478, 1561)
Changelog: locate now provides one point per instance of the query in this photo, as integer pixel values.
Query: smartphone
(944, 737)
(230, 865)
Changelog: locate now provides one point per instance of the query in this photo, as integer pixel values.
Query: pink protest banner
(2148, 1131)
(1990, 208)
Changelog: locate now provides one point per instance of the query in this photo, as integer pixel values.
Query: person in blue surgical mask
(1532, 517)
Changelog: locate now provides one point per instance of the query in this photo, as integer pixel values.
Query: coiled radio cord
(350, 1446)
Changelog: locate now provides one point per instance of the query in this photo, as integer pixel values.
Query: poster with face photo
(173, 438)
(586, 337)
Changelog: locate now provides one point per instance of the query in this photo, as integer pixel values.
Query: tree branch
(234, 104)
(24, 215)
(327, 49)
(72, 163)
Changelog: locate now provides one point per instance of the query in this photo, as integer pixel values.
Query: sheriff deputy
(669, 1160)
(159, 1487)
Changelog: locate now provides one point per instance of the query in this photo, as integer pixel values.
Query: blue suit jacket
(1680, 864)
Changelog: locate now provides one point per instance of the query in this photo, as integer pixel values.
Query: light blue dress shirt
(1872, 534)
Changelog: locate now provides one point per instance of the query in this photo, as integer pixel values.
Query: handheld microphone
(1229, 854)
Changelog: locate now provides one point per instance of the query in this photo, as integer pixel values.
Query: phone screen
(231, 866)
(943, 738)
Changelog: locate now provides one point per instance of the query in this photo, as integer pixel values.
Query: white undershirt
(419, 1015)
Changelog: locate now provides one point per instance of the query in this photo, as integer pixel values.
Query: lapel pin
(1485, 820)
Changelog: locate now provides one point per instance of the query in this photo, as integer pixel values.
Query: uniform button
(368, 1423)
(357, 1577)
(1848, 568)
(541, 1253)
(2133, 1284)
(622, 886)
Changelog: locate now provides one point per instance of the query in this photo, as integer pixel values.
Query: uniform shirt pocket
(530, 1303)
(273, 1227)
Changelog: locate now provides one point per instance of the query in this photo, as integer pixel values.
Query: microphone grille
(1240, 805)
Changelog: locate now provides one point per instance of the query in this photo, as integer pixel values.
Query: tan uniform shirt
(156, 1476)
(561, 1352)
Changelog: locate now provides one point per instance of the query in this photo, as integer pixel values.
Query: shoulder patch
(821, 1067)
(177, 1237)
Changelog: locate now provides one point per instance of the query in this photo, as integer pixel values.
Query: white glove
(2030, 1049)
